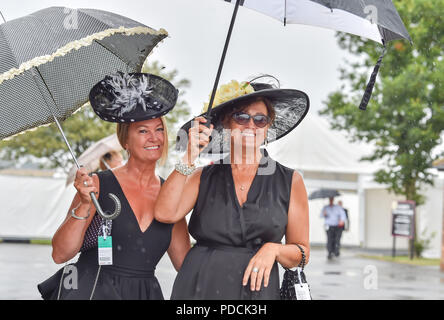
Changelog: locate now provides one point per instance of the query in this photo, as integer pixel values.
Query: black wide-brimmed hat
(132, 97)
(290, 105)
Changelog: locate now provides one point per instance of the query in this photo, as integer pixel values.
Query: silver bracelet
(73, 214)
(182, 168)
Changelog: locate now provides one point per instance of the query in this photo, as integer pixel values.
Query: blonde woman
(137, 103)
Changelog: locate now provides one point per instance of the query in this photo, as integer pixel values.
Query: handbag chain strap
(303, 257)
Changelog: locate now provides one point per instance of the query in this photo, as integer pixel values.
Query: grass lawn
(41, 241)
(405, 260)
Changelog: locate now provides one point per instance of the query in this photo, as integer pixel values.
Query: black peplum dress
(135, 256)
(229, 235)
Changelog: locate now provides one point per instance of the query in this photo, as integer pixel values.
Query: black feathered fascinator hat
(132, 97)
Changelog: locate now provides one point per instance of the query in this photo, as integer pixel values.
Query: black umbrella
(373, 19)
(323, 193)
(50, 59)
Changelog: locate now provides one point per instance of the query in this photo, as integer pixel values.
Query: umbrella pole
(1, 14)
(66, 140)
(221, 63)
(99, 209)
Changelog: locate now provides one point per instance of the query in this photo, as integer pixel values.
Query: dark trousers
(333, 240)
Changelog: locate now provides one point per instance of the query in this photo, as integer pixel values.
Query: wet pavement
(349, 277)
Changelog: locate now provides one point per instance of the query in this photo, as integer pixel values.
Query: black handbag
(295, 280)
(50, 289)
(95, 229)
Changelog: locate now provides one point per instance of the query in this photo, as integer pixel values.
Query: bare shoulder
(297, 180)
(297, 177)
(298, 190)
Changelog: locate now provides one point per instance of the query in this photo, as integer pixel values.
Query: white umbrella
(90, 159)
(377, 20)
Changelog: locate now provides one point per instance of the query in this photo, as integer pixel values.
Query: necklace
(242, 187)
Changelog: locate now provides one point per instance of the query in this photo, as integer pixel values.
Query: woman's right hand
(84, 185)
(198, 139)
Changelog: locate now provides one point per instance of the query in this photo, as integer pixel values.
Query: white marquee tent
(34, 207)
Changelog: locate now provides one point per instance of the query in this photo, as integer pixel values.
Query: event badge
(302, 291)
(105, 245)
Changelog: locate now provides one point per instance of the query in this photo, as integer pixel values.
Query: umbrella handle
(104, 215)
(208, 118)
(35, 73)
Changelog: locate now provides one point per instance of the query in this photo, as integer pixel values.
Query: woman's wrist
(276, 248)
(184, 168)
(188, 160)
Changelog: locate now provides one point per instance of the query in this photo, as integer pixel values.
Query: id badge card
(302, 291)
(105, 245)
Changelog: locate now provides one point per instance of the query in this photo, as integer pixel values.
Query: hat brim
(290, 105)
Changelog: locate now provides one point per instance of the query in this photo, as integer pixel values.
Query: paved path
(349, 277)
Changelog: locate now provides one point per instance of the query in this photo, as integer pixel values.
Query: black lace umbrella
(50, 59)
(377, 20)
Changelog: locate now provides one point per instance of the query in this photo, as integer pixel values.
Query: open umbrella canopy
(373, 19)
(50, 59)
(377, 20)
(323, 193)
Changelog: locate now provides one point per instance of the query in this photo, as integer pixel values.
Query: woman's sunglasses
(242, 118)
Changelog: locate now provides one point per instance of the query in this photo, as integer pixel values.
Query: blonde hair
(122, 135)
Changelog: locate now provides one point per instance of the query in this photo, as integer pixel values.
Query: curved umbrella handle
(106, 216)
(35, 73)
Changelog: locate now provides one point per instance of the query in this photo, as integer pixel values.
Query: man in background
(346, 225)
(335, 218)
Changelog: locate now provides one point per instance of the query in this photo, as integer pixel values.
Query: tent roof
(314, 146)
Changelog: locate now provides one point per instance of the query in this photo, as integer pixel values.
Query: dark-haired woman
(243, 205)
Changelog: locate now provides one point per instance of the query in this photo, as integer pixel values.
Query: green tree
(405, 116)
(82, 129)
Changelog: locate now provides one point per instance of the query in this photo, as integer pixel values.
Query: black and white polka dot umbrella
(50, 59)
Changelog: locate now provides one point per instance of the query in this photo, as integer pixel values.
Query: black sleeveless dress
(228, 235)
(135, 256)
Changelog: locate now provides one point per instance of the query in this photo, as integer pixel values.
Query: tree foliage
(405, 116)
(82, 129)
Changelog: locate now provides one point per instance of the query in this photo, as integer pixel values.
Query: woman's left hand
(260, 266)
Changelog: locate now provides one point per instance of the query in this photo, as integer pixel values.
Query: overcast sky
(301, 57)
